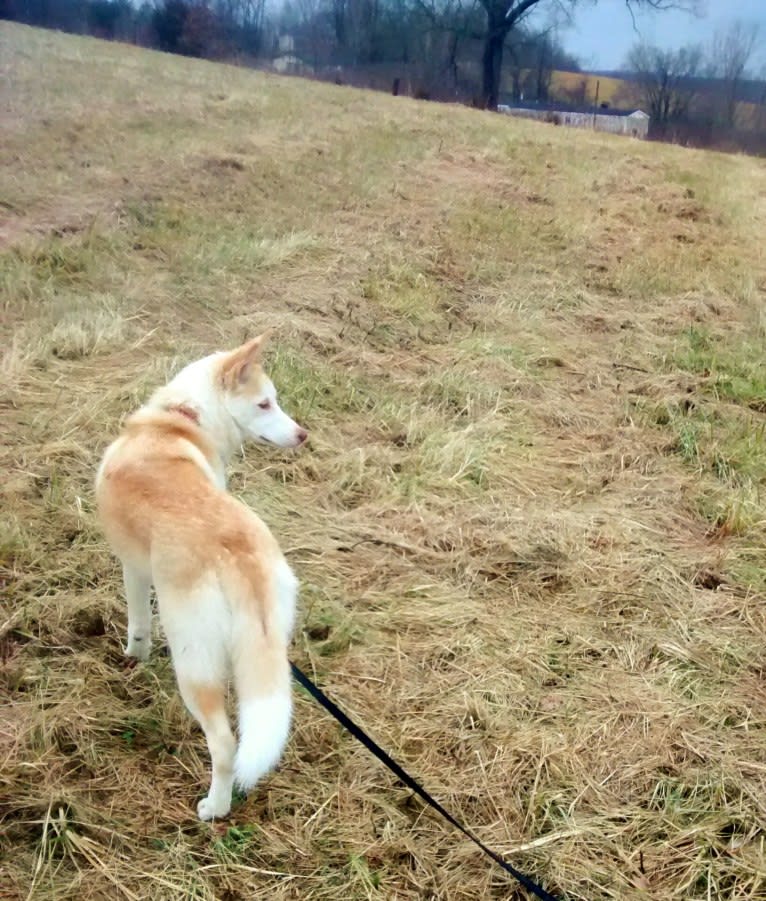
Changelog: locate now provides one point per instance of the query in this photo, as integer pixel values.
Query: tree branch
(441, 21)
(689, 6)
(515, 13)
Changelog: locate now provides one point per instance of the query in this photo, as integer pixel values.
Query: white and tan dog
(226, 594)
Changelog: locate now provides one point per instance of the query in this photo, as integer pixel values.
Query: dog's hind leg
(206, 704)
(198, 625)
(137, 588)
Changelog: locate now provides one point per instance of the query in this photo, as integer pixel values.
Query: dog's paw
(139, 649)
(206, 809)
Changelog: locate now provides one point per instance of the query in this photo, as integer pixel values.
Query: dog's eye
(265, 405)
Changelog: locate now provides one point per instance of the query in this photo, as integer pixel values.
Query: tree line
(455, 48)
(705, 95)
(209, 28)
(477, 51)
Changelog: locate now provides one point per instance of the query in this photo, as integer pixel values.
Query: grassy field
(614, 91)
(529, 525)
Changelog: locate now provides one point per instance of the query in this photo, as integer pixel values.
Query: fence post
(595, 105)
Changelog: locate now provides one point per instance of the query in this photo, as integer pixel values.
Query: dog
(225, 593)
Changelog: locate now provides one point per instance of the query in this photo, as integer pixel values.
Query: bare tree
(449, 26)
(504, 15)
(543, 68)
(533, 56)
(666, 79)
(363, 30)
(731, 53)
(243, 22)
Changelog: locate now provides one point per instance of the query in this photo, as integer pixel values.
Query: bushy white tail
(263, 727)
(262, 680)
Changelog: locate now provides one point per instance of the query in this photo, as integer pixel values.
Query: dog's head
(251, 399)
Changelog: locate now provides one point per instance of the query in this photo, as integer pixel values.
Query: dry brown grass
(529, 527)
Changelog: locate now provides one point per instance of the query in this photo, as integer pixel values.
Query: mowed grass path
(529, 526)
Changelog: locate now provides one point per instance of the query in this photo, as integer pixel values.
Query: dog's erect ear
(238, 363)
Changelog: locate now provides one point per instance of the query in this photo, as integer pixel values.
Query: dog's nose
(302, 435)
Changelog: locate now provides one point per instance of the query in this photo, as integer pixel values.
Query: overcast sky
(602, 34)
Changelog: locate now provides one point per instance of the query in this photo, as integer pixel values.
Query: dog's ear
(238, 364)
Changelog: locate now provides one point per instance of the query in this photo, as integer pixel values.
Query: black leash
(359, 734)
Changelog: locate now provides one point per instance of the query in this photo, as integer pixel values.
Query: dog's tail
(262, 681)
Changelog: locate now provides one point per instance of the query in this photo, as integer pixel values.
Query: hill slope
(529, 526)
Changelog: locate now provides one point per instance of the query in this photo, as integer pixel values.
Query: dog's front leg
(137, 588)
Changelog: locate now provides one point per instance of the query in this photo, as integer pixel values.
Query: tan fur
(153, 498)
